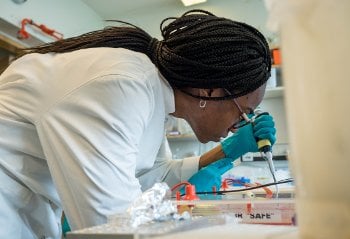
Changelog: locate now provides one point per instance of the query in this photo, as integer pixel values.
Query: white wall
(65, 16)
(275, 107)
(149, 18)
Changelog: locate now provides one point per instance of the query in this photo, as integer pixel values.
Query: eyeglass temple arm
(244, 115)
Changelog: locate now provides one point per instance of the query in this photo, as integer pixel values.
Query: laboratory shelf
(181, 137)
(276, 66)
(274, 92)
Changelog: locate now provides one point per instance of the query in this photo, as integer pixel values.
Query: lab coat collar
(168, 95)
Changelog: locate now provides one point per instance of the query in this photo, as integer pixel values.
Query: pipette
(265, 148)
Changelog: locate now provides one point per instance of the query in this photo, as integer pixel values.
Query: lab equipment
(252, 211)
(265, 148)
(205, 213)
(244, 139)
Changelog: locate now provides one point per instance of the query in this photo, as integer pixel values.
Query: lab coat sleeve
(90, 139)
(166, 169)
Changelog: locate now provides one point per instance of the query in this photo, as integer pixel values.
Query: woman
(82, 119)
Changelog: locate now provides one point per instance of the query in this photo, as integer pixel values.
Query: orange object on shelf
(276, 56)
(23, 34)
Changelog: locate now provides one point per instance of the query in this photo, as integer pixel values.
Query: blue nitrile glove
(245, 139)
(210, 176)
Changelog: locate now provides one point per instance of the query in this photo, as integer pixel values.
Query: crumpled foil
(154, 205)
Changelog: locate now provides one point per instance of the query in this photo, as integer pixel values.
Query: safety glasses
(244, 119)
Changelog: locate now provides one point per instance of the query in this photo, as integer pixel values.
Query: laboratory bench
(246, 231)
(223, 218)
(223, 231)
(226, 216)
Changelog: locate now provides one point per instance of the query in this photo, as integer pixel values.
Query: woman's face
(217, 118)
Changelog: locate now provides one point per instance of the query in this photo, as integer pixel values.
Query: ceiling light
(192, 2)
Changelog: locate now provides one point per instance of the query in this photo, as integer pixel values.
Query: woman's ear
(204, 92)
(212, 92)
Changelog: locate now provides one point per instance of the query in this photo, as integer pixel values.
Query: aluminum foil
(152, 205)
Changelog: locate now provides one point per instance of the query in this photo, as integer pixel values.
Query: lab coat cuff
(189, 167)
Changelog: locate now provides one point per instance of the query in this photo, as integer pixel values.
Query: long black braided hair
(198, 50)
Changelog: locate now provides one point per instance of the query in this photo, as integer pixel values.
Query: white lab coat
(83, 131)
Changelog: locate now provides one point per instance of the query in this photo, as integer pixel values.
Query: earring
(202, 103)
